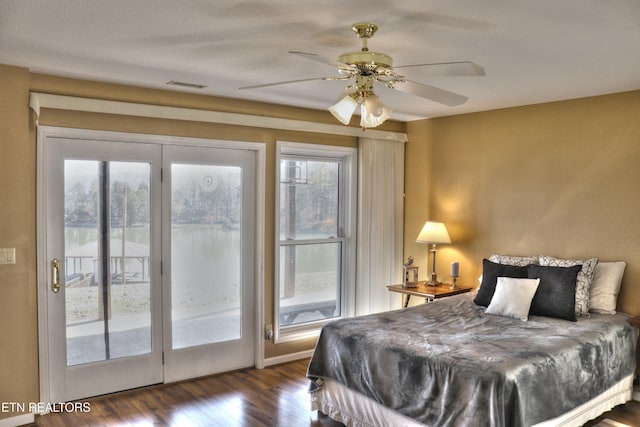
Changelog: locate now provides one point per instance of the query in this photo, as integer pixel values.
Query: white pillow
(513, 297)
(605, 287)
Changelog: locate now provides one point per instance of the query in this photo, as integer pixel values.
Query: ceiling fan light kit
(373, 112)
(366, 67)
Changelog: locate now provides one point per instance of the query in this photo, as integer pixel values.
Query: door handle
(55, 275)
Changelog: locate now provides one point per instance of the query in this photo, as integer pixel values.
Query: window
(315, 219)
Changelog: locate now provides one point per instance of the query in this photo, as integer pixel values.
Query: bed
(454, 362)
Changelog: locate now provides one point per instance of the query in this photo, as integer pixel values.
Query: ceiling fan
(365, 67)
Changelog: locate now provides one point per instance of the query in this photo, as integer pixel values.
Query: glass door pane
(206, 256)
(106, 261)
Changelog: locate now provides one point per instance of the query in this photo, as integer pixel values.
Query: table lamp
(433, 232)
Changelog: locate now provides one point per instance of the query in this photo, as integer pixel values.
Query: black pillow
(556, 294)
(490, 273)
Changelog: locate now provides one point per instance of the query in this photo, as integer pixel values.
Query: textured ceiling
(533, 51)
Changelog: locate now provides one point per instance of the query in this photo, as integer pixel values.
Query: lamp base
(454, 285)
(433, 281)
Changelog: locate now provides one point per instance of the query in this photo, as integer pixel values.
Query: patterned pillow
(583, 280)
(519, 261)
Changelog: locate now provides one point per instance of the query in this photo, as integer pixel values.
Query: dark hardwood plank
(275, 396)
(271, 397)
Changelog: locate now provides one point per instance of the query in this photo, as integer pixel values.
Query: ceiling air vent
(188, 85)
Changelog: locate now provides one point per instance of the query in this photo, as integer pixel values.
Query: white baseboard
(287, 358)
(18, 420)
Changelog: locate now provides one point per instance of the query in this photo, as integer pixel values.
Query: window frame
(347, 219)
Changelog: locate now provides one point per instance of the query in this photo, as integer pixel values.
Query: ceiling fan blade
(429, 92)
(285, 82)
(324, 60)
(460, 68)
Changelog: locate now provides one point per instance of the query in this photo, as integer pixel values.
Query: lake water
(206, 270)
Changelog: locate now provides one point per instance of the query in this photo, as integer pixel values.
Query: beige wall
(18, 307)
(559, 179)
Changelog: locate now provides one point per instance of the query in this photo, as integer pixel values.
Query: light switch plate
(7, 255)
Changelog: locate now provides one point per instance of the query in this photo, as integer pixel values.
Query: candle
(455, 269)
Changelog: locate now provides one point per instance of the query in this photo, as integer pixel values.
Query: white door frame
(42, 264)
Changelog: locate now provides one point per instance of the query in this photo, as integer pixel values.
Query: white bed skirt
(356, 410)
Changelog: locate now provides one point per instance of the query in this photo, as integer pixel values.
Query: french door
(209, 323)
(146, 267)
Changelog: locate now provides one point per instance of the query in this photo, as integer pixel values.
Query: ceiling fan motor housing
(367, 62)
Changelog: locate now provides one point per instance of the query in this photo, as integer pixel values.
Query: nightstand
(429, 293)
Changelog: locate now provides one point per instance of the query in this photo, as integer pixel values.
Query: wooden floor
(275, 396)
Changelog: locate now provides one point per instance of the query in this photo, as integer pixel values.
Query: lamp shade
(373, 112)
(433, 232)
(344, 109)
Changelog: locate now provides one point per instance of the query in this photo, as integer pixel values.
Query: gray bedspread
(447, 363)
